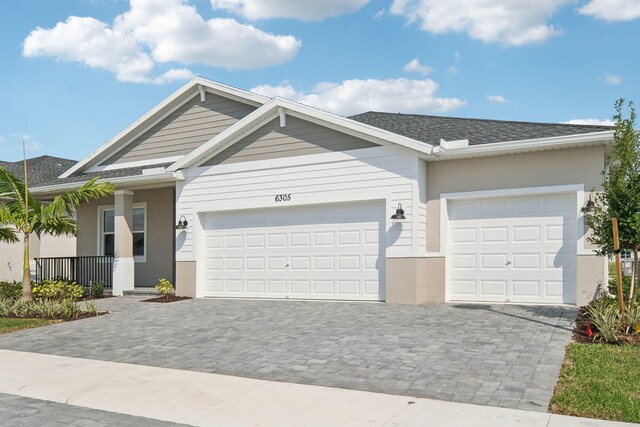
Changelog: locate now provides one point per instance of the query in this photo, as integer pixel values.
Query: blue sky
(76, 72)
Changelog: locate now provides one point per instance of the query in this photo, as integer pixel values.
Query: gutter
(522, 146)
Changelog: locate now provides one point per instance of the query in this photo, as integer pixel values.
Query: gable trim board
(162, 110)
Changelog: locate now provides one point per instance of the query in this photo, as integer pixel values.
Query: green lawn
(599, 381)
(12, 325)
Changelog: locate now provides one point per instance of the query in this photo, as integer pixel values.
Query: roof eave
(523, 146)
(125, 180)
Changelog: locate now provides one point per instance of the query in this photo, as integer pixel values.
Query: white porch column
(124, 266)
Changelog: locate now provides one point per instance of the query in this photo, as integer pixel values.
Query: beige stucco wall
(46, 246)
(591, 270)
(540, 169)
(186, 278)
(160, 232)
(406, 281)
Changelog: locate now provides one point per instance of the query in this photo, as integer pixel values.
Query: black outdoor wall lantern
(182, 223)
(399, 213)
(589, 207)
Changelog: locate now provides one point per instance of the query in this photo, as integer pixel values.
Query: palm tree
(21, 213)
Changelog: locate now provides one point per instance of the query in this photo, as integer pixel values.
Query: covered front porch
(125, 241)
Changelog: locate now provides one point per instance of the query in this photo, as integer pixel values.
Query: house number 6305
(283, 197)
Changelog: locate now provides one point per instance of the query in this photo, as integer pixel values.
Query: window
(108, 235)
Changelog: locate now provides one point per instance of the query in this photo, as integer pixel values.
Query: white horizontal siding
(375, 173)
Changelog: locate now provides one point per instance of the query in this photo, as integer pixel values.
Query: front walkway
(502, 355)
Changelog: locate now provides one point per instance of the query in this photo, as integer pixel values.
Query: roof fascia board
(271, 110)
(138, 179)
(191, 86)
(512, 147)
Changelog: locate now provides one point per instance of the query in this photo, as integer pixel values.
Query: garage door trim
(577, 191)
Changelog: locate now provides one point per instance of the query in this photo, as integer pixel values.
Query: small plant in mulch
(602, 322)
(167, 291)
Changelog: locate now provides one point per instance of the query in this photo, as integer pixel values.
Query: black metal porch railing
(80, 269)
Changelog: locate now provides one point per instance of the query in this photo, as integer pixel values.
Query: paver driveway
(500, 355)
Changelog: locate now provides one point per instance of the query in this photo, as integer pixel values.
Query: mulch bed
(580, 333)
(172, 298)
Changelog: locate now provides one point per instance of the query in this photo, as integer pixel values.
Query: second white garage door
(517, 249)
(311, 252)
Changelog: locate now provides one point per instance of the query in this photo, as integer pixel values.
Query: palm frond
(11, 190)
(91, 190)
(8, 235)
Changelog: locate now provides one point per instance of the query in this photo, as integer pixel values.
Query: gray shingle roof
(430, 129)
(44, 170)
(40, 169)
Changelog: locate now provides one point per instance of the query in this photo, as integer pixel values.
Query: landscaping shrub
(11, 290)
(66, 309)
(57, 290)
(603, 314)
(165, 288)
(95, 290)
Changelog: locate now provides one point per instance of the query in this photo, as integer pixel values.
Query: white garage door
(310, 252)
(520, 249)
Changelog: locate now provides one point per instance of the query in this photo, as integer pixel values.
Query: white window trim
(100, 234)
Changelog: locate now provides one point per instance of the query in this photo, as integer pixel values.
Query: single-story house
(232, 194)
(40, 169)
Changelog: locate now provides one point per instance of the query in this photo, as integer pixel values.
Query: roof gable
(279, 108)
(296, 138)
(197, 86)
(186, 128)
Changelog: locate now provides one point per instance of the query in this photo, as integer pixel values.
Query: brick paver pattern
(497, 355)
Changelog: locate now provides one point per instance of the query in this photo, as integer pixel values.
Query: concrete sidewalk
(204, 399)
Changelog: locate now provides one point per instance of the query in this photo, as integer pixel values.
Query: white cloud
(31, 142)
(497, 99)
(357, 96)
(613, 79)
(415, 66)
(379, 14)
(457, 56)
(154, 32)
(452, 70)
(598, 122)
(507, 22)
(296, 9)
(612, 10)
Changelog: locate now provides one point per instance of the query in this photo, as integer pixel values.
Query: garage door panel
(493, 287)
(494, 261)
(520, 249)
(294, 256)
(494, 235)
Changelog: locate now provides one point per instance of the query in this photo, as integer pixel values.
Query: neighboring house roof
(41, 169)
(431, 129)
